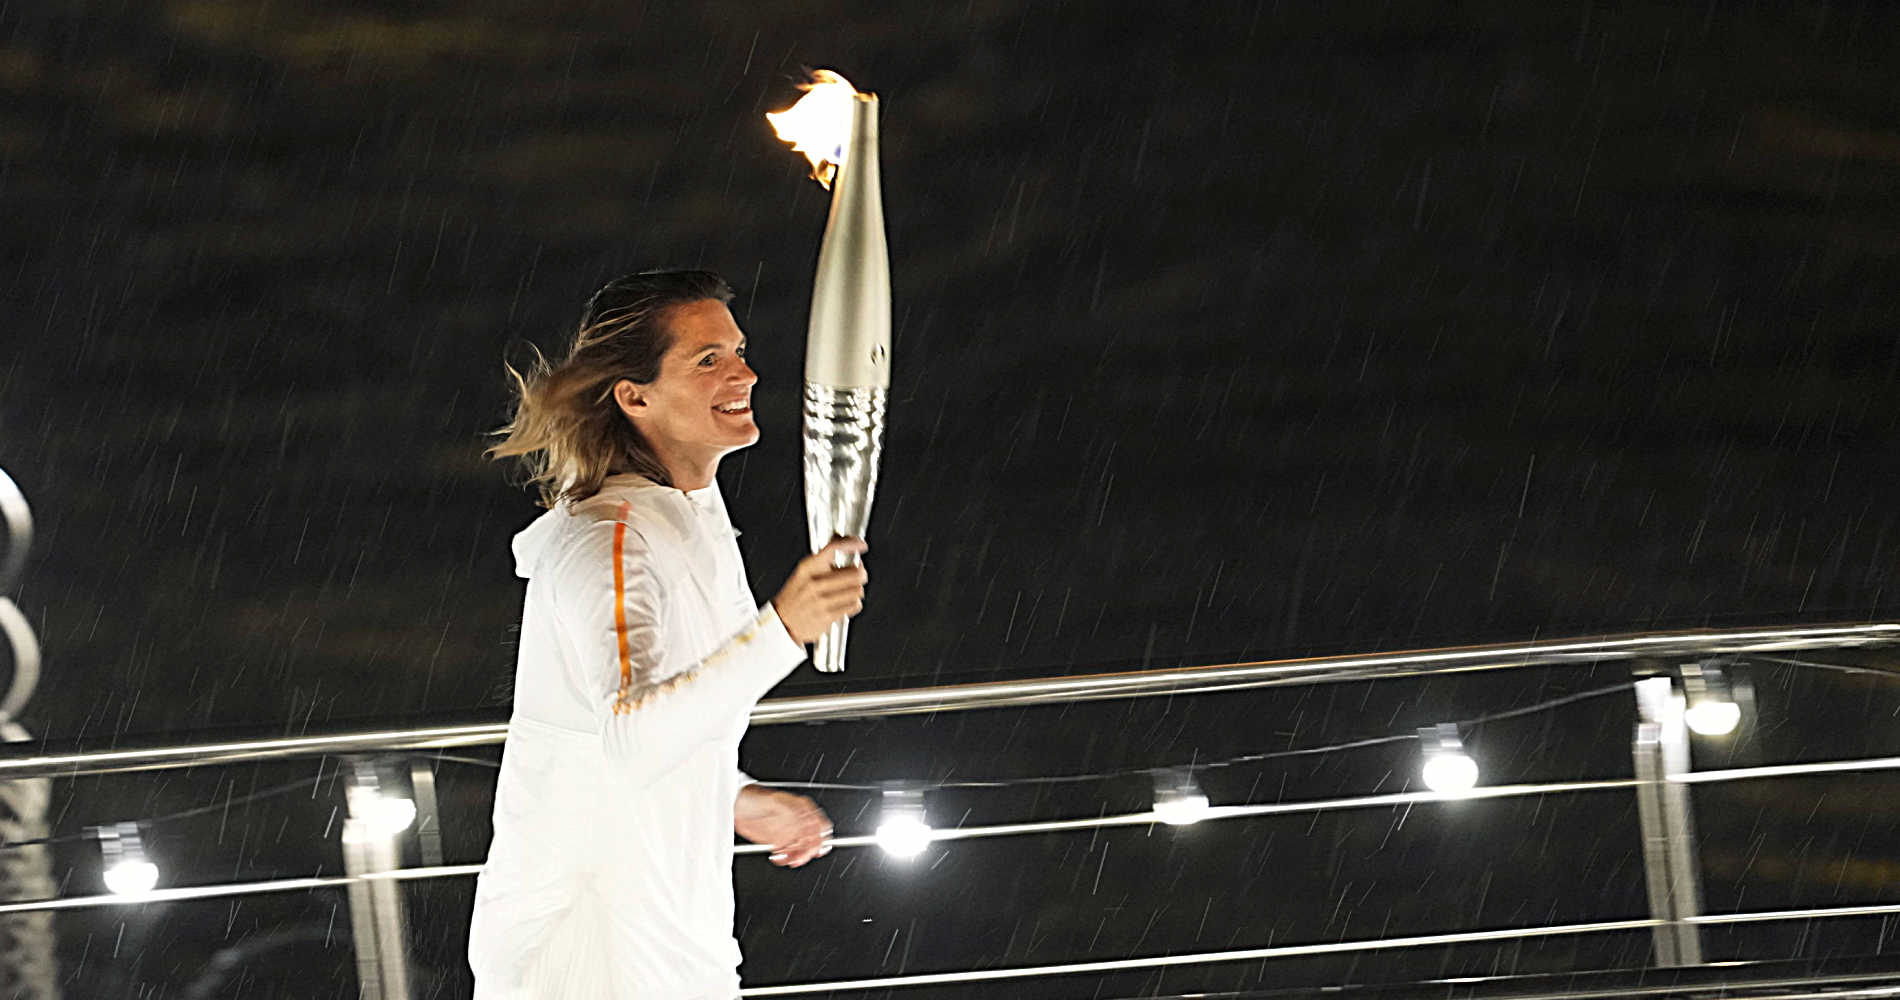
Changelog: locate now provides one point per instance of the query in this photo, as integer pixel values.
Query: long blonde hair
(566, 429)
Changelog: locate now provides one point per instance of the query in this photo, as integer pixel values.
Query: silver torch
(848, 346)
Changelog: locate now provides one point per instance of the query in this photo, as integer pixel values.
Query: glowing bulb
(374, 813)
(392, 815)
(127, 872)
(1713, 710)
(132, 878)
(1713, 718)
(1450, 773)
(1184, 811)
(1448, 770)
(1178, 800)
(904, 836)
(902, 830)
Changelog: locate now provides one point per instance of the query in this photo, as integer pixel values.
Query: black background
(1241, 329)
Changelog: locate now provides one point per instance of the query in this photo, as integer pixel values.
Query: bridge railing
(1668, 670)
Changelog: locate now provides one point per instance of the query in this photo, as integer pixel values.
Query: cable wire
(1845, 668)
(1252, 758)
(1196, 766)
(1245, 810)
(241, 800)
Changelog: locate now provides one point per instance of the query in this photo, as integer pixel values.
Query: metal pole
(428, 817)
(28, 968)
(1662, 806)
(376, 916)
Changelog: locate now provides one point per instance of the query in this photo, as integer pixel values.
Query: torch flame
(819, 125)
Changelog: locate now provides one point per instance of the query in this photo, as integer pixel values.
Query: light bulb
(902, 830)
(1184, 811)
(1713, 718)
(373, 815)
(904, 836)
(377, 813)
(1713, 710)
(1448, 770)
(1450, 773)
(132, 878)
(127, 872)
(392, 815)
(1179, 801)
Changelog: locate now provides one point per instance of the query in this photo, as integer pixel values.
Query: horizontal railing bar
(1754, 980)
(926, 979)
(1294, 951)
(1202, 958)
(998, 694)
(1768, 916)
(1786, 770)
(87, 762)
(1147, 818)
(1328, 669)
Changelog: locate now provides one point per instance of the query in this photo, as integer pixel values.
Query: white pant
(575, 962)
(528, 993)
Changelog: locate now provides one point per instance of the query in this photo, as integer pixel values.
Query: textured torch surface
(844, 437)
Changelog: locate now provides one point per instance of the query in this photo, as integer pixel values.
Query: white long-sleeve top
(642, 653)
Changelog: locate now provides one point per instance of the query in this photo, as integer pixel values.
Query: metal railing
(1662, 781)
(89, 757)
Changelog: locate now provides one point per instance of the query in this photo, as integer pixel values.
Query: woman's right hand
(820, 592)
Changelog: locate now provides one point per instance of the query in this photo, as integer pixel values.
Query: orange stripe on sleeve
(620, 602)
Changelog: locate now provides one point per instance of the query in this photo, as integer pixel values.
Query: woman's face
(700, 406)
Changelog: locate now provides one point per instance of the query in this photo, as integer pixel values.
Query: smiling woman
(642, 654)
(564, 430)
(699, 406)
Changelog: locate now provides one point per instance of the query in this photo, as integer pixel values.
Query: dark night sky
(1245, 329)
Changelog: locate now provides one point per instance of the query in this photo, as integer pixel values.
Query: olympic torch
(848, 344)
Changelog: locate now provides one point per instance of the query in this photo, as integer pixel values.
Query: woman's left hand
(791, 825)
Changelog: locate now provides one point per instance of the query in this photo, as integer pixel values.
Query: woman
(642, 654)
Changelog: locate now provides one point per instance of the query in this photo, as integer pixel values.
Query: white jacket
(642, 654)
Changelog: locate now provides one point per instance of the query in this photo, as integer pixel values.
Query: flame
(819, 125)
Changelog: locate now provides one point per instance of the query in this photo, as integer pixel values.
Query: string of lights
(1077, 824)
(910, 833)
(903, 830)
(1244, 810)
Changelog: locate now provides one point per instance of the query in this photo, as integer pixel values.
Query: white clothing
(642, 654)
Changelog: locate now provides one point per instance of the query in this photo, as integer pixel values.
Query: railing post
(377, 927)
(28, 968)
(1662, 807)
